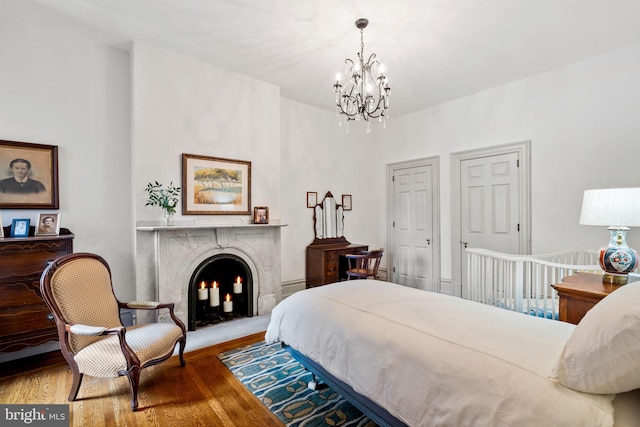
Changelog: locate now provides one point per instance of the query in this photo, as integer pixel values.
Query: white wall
(583, 124)
(182, 105)
(318, 155)
(60, 89)
(70, 90)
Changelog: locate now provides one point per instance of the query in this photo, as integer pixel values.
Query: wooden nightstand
(579, 293)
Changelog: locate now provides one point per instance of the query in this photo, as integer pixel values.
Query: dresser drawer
(331, 271)
(24, 316)
(31, 259)
(20, 294)
(25, 320)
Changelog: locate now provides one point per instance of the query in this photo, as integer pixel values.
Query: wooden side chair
(364, 265)
(78, 290)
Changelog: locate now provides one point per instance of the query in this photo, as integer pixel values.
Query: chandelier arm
(372, 56)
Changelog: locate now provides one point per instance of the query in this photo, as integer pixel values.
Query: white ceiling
(434, 50)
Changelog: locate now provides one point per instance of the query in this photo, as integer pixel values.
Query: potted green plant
(166, 198)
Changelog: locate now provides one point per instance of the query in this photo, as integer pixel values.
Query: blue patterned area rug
(280, 382)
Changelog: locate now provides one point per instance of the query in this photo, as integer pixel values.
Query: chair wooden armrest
(154, 305)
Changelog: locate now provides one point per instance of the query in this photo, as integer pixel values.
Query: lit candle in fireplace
(203, 292)
(227, 304)
(214, 295)
(237, 286)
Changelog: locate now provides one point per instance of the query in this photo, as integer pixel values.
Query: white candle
(214, 295)
(227, 304)
(237, 286)
(203, 292)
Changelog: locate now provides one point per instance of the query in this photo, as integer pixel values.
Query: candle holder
(204, 320)
(240, 304)
(215, 315)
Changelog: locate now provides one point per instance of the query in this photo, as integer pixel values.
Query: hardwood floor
(203, 393)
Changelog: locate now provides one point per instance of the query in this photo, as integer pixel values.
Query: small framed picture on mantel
(261, 215)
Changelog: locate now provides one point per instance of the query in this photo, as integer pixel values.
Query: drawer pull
(50, 317)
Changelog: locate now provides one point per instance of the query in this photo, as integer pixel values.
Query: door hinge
(518, 227)
(393, 178)
(393, 224)
(518, 163)
(394, 269)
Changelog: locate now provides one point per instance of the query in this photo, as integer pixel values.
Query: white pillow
(602, 354)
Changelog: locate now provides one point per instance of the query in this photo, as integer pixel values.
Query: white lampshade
(611, 207)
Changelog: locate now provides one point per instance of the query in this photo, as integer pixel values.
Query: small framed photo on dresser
(20, 227)
(48, 224)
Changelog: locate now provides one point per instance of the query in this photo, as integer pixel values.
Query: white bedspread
(432, 359)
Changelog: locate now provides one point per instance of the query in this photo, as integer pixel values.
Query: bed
(411, 357)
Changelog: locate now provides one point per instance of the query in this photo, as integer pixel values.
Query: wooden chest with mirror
(325, 259)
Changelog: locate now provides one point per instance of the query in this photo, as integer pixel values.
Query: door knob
(465, 244)
(428, 241)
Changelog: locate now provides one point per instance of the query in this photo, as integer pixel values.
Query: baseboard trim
(290, 287)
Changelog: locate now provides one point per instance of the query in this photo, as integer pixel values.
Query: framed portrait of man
(48, 224)
(28, 176)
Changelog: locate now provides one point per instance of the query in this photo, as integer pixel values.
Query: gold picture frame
(215, 186)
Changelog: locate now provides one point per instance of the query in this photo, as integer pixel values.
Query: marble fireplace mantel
(167, 257)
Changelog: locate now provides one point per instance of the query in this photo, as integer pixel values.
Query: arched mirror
(328, 221)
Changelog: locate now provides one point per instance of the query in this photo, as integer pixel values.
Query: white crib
(523, 282)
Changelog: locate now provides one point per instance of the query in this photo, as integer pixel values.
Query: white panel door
(413, 227)
(490, 204)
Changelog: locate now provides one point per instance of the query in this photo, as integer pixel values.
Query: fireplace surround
(168, 256)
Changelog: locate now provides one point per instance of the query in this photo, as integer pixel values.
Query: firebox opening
(221, 289)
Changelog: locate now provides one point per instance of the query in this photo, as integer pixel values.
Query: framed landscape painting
(215, 186)
(28, 176)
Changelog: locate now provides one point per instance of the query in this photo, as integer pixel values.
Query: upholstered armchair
(78, 290)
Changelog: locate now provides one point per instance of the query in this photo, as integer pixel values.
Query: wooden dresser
(579, 293)
(25, 319)
(327, 264)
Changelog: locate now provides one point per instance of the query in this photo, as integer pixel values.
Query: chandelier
(365, 95)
